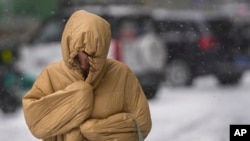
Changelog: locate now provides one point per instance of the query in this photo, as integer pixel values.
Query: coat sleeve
(50, 114)
(122, 126)
(137, 104)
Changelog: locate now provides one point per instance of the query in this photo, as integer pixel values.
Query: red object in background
(207, 43)
(117, 50)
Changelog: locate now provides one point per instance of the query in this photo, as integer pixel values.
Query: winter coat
(62, 105)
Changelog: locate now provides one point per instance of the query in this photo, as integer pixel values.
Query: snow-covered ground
(200, 113)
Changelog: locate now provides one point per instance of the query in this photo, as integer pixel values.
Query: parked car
(243, 37)
(201, 43)
(138, 47)
(9, 100)
(42, 48)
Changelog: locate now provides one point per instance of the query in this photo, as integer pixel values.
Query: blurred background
(192, 58)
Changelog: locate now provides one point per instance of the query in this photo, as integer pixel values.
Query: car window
(173, 31)
(51, 32)
(220, 27)
(244, 31)
(128, 29)
(129, 25)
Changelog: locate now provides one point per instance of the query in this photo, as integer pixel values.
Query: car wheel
(229, 79)
(150, 92)
(178, 73)
(9, 109)
(150, 83)
(8, 102)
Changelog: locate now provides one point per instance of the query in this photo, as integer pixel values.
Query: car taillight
(117, 50)
(208, 43)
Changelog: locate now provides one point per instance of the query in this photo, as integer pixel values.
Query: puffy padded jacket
(62, 105)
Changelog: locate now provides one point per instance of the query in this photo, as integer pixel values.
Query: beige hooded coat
(64, 106)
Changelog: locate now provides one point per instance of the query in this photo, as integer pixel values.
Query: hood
(90, 33)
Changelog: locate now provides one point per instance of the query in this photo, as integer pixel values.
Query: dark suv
(200, 43)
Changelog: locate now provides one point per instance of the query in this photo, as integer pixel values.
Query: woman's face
(84, 63)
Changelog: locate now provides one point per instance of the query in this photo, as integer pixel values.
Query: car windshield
(220, 27)
(51, 32)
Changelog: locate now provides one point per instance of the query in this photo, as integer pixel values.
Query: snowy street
(200, 113)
